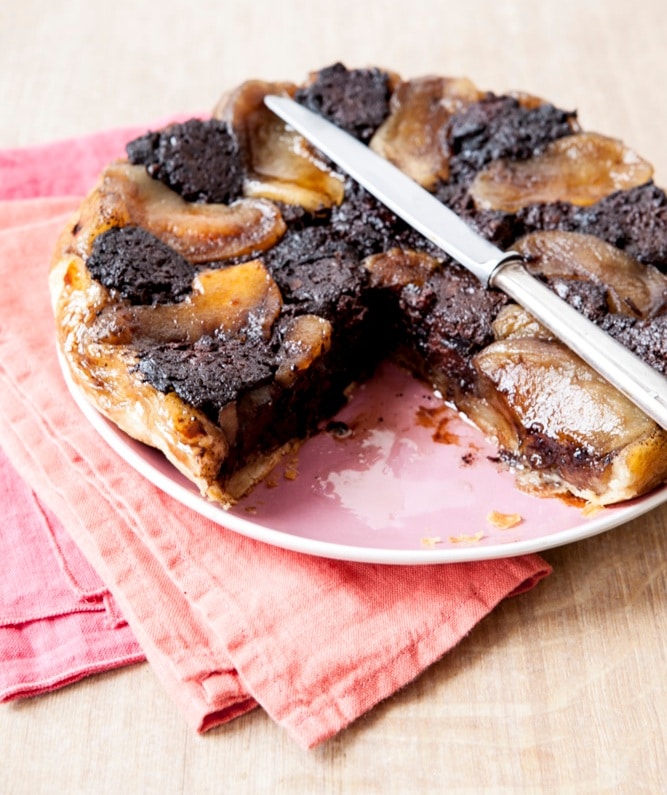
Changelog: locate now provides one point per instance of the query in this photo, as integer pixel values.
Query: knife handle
(638, 381)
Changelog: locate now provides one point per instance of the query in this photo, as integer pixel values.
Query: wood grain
(559, 690)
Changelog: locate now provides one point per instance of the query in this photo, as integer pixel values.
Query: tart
(223, 287)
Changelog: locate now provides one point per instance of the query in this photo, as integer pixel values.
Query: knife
(502, 270)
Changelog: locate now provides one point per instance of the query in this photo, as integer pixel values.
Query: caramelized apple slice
(633, 287)
(225, 300)
(398, 267)
(200, 232)
(551, 392)
(580, 169)
(306, 339)
(567, 423)
(282, 166)
(410, 136)
(513, 322)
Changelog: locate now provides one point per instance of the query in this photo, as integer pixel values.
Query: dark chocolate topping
(318, 274)
(201, 160)
(633, 220)
(498, 127)
(370, 227)
(586, 297)
(546, 218)
(449, 319)
(355, 99)
(647, 338)
(208, 374)
(462, 309)
(142, 268)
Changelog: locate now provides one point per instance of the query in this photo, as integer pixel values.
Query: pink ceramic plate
(397, 478)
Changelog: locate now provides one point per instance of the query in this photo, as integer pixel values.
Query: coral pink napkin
(226, 622)
(58, 623)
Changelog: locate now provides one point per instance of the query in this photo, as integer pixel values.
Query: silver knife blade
(639, 382)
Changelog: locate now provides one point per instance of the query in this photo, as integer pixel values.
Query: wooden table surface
(560, 690)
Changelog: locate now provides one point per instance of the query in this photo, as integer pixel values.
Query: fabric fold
(58, 622)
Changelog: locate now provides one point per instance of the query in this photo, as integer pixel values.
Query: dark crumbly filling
(633, 220)
(201, 160)
(141, 267)
(500, 228)
(586, 297)
(547, 453)
(499, 127)
(316, 273)
(209, 373)
(219, 377)
(647, 338)
(370, 227)
(233, 382)
(447, 320)
(355, 99)
(493, 128)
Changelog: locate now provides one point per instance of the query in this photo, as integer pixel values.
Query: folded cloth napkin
(58, 623)
(226, 622)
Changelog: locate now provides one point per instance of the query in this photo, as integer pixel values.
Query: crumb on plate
(503, 521)
(463, 539)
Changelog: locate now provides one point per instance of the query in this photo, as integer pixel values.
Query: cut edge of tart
(219, 293)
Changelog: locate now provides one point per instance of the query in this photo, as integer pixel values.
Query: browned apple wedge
(399, 267)
(411, 135)
(633, 288)
(306, 338)
(580, 169)
(126, 195)
(282, 165)
(224, 300)
(561, 423)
